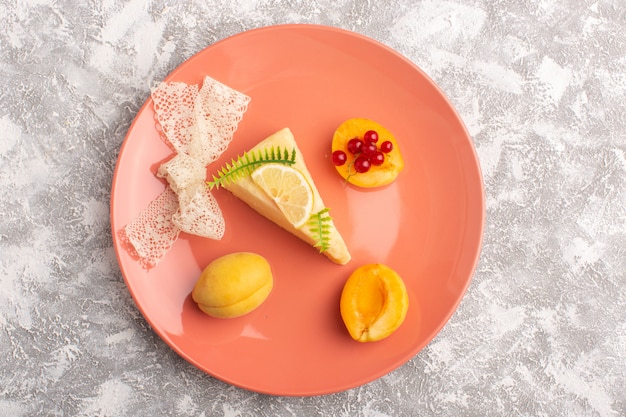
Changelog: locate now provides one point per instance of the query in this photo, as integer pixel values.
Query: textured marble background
(541, 85)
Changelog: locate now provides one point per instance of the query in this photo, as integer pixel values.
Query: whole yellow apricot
(233, 285)
(373, 303)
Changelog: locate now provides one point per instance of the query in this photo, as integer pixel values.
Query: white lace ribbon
(198, 123)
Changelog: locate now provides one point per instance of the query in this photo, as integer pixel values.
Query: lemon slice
(288, 188)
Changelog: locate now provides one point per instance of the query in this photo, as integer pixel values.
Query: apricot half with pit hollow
(233, 285)
(374, 302)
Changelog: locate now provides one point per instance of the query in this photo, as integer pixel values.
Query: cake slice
(278, 156)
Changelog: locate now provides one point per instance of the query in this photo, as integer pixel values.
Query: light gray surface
(541, 87)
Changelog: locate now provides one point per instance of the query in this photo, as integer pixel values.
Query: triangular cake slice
(241, 184)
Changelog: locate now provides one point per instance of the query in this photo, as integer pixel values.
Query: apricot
(375, 175)
(233, 285)
(373, 303)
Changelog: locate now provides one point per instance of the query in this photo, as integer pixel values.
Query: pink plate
(427, 225)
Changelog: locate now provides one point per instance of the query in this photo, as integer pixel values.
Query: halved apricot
(375, 175)
(374, 302)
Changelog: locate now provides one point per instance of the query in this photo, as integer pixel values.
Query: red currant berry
(371, 136)
(369, 149)
(378, 158)
(362, 164)
(386, 146)
(355, 145)
(339, 158)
